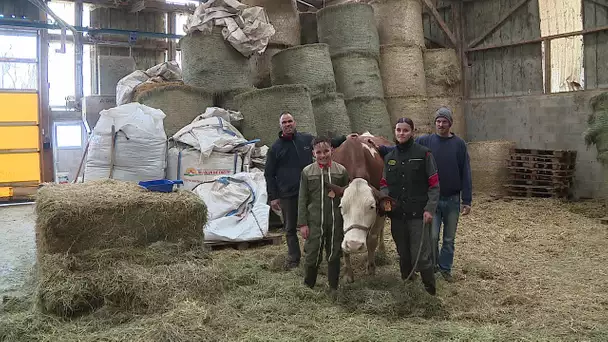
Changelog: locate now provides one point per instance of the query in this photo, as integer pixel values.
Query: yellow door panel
(19, 137)
(19, 167)
(19, 107)
(6, 192)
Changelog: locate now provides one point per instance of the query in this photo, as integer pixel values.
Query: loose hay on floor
(402, 71)
(331, 118)
(107, 214)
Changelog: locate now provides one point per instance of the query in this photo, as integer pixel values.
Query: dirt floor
(17, 247)
(526, 270)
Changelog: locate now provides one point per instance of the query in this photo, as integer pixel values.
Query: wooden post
(547, 66)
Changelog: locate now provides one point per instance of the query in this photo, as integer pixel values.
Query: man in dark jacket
(285, 160)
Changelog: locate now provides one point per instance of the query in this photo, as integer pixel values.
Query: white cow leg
(349, 277)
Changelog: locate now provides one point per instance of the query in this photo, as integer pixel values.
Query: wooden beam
(497, 24)
(598, 3)
(160, 6)
(442, 24)
(547, 66)
(434, 41)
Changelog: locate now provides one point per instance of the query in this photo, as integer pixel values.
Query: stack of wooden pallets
(540, 173)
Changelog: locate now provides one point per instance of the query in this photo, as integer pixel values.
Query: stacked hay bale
(284, 17)
(261, 109)
(597, 133)
(92, 238)
(489, 166)
(401, 37)
(181, 103)
(350, 31)
(311, 65)
(443, 85)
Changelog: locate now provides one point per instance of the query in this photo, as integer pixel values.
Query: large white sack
(237, 207)
(211, 134)
(140, 149)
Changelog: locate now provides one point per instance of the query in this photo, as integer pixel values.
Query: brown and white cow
(362, 203)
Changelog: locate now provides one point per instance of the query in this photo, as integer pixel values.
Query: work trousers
(327, 239)
(289, 209)
(407, 234)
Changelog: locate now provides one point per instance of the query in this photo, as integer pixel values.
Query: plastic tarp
(237, 207)
(163, 72)
(247, 29)
(140, 144)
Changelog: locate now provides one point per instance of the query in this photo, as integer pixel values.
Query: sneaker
(447, 276)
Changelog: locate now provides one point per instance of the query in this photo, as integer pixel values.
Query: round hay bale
(260, 66)
(454, 103)
(402, 71)
(369, 114)
(331, 117)
(358, 76)
(415, 108)
(305, 64)
(181, 104)
(226, 99)
(399, 22)
(443, 72)
(211, 63)
(348, 28)
(143, 87)
(261, 109)
(489, 170)
(308, 28)
(284, 17)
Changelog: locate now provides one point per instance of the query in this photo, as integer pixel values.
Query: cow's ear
(382, 199)
(338, 190)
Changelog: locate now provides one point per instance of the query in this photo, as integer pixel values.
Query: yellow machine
(20, 146)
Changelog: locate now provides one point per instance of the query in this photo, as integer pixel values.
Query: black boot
(428, 279)
(310, 277)
(333, 274)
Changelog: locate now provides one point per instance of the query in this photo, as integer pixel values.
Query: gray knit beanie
(444, 112)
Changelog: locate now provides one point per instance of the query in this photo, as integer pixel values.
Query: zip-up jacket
(286, 159)
(315, 207)
(410, 177)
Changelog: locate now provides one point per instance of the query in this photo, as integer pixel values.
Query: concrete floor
(17, 247)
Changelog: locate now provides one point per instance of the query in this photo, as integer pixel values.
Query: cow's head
(360, 206)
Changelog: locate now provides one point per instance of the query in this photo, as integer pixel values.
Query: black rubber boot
(333, 274)
(310, 277)
(428, 279)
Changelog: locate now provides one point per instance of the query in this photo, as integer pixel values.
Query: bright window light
(69, 136)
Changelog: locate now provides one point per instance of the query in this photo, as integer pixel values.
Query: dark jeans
(289, 208)
(448, 212)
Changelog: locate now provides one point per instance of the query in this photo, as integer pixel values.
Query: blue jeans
(448, 212)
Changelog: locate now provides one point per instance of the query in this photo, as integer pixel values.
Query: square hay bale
(108, 214)
(489, 170)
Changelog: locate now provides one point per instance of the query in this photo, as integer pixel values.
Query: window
(68, 136)
(61, 74)
(65, 11)
(18, 67)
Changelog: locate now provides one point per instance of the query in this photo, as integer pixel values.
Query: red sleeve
(433, 180)
(383, 183)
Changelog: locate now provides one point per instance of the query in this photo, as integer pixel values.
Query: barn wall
(555, 121)
(595, 14)
(434, 35)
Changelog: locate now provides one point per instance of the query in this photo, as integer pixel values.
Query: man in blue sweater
(452, 159)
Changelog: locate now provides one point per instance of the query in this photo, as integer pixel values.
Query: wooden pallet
(536, 191)
(537, 152)
(270, 239)
(541, 182)
(541, 165)
(537, 171)
(542, 158)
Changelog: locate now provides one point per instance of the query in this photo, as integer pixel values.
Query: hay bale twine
(358, 75)
(259, 66)
(369, 114)
(402, 71)
(399, 22)
(305, 64)
(111, 214)
(489, 165)
(331, 117)
(181, 104)
(211, 63)
(454, 103)
(413, 107)
(348, 28)
(261, 109)
(443, 72)
(308, 28)
(284, 17)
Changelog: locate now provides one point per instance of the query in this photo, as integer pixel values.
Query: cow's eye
(373, 206)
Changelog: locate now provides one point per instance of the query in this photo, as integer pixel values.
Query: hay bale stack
(211, 63)
(597, 133)
(181, 103)
(399, 22)
(73, 218)
(259, 66)
(305, 64)
(489, 165)
(331, 117)
(442, 72)
(348, 28)
(226, 99)
(358, 75)
(261, 109)
(284, 17)
(369, 114)
(402, 70)
(308, 28)
(454, 103)
(413, 107)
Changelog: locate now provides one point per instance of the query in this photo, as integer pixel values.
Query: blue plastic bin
(160, 185)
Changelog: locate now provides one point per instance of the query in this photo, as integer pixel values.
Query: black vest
(407, 179)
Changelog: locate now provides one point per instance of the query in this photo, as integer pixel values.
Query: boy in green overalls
(319, 217)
